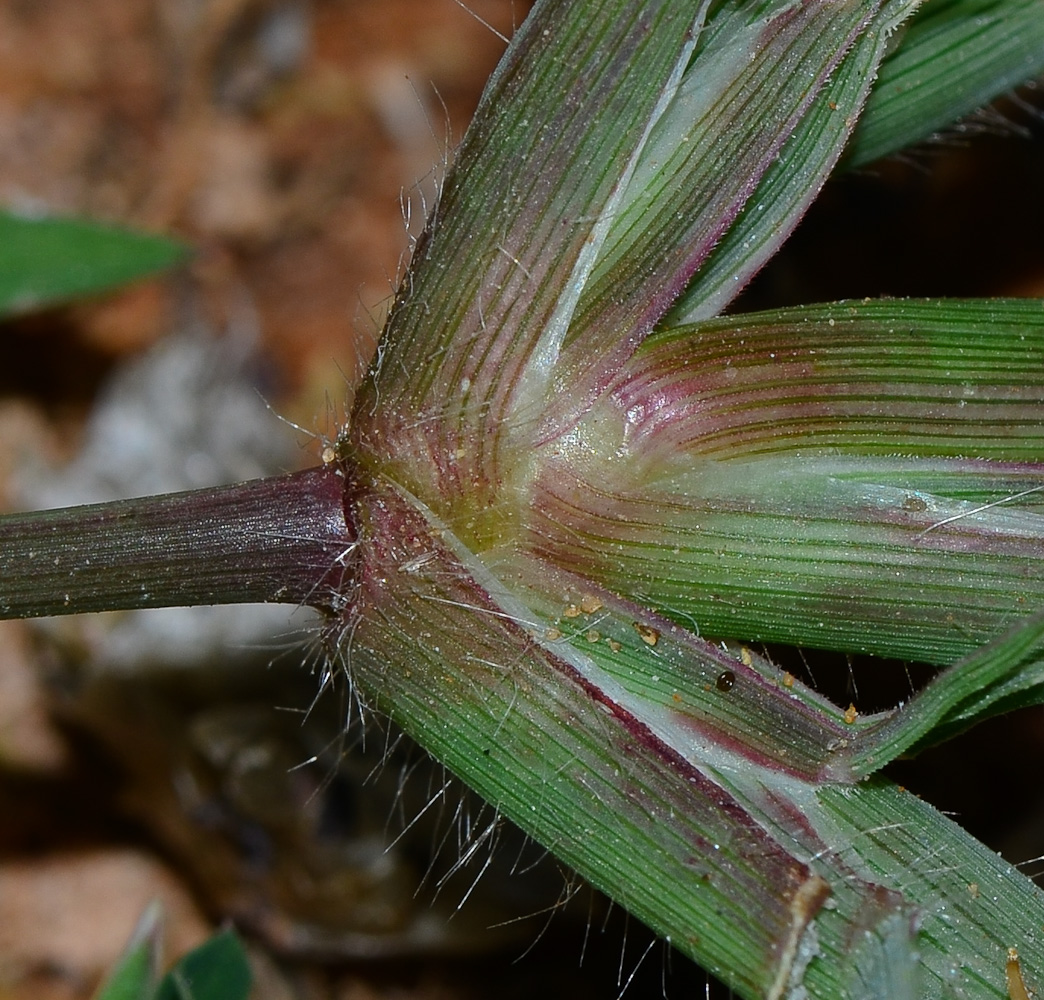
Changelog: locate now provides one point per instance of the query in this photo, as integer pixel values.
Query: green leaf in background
(134, 977)
(216, 970)
(44, 262)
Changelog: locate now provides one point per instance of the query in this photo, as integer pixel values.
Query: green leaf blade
(791, 183)
(45, 262)
(956, 57)
(800, 74)
(958, 697)
(136, 974)
(774, 481)
(727, 706)
(132, 979)
(509, 706)
(972, 905)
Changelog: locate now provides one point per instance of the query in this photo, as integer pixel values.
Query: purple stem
(282, 540)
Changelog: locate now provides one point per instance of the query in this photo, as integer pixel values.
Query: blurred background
(296, 146)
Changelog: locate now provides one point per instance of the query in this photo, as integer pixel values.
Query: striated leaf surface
(558, 296)
(598, 746)
(955, 57)
(488, 685)
(712, 199)
(495, 279)
(861, 476)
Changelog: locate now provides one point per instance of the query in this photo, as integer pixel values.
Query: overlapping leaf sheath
(493, 284)
(706, 792)
(492, 687)
(562, 262)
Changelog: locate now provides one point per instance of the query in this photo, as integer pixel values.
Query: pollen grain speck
(648, 634)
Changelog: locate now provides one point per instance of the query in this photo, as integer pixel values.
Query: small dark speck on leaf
(726, 679)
